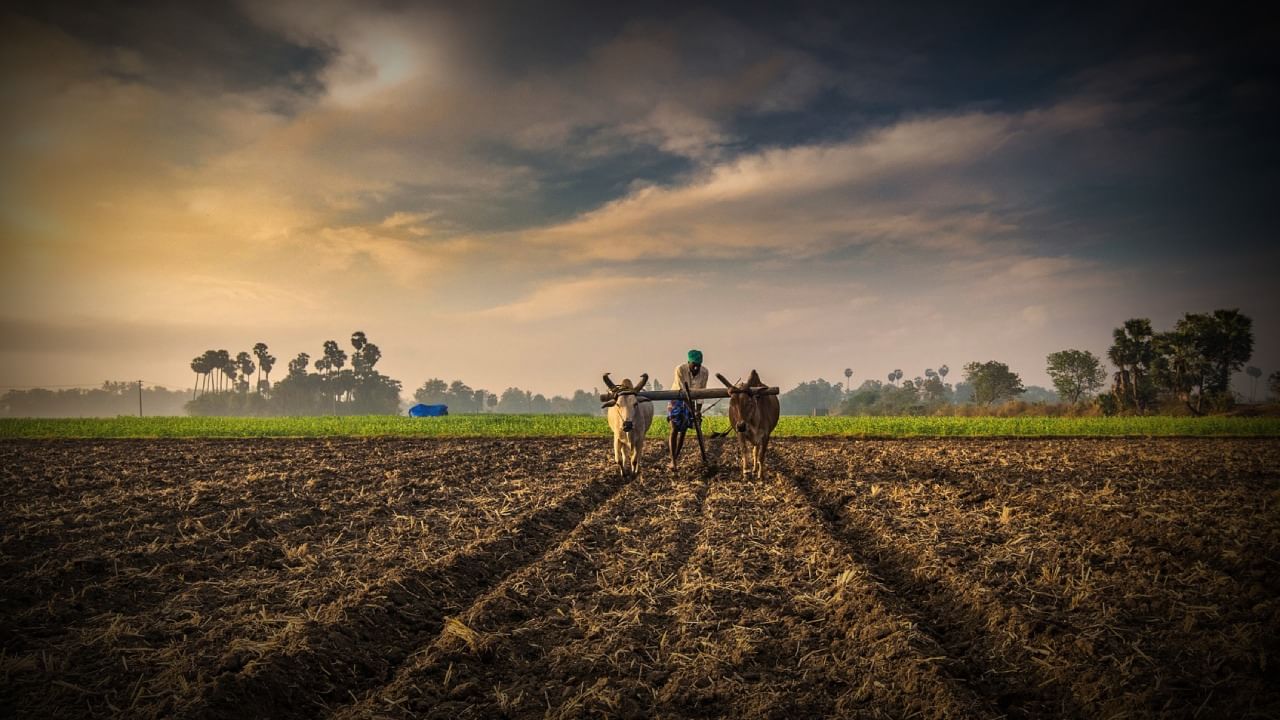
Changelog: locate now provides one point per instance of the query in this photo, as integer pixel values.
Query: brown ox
(629, 418)
(754, 415)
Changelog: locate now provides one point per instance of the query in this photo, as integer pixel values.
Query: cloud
(916, 183)
(565, 298)
(1035, 315)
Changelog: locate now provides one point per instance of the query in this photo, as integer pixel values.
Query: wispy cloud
(565, 298)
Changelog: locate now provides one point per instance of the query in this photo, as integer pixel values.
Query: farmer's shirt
(684, 378)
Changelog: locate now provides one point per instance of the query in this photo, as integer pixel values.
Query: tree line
(223, 383)
(928, 393)
(1188, 367)
(462, 399)
(111, 399)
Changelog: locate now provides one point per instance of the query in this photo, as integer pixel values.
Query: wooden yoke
(700, 394)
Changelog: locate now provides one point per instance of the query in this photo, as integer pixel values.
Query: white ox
(629, 418)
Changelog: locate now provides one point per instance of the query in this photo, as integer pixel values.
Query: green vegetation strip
(577, 425)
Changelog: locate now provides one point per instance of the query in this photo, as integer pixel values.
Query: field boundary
(459, 427)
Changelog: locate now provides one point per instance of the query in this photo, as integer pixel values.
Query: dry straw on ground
(521, 578)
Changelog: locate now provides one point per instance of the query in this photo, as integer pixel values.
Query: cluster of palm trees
(218, 371)
(929, 374)
(1193, 362)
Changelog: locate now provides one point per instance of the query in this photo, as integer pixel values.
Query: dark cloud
(212, 45)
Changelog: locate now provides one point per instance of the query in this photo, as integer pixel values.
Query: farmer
(680, 415)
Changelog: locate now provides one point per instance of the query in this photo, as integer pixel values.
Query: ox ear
(609, 383)
(722, 379)
(644, 378)
(608, 404)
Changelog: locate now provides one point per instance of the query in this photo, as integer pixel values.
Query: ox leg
(764, 448)
(636, 449)
(618, 458)
(743, 450)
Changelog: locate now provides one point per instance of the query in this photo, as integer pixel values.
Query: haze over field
(529, 195)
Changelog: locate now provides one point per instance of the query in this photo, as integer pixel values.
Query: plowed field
(521, 578)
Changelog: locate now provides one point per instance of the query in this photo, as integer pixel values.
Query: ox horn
(613, 387)
(644, 378)
(722, 379)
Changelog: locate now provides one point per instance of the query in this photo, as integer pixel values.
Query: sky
(531, 194)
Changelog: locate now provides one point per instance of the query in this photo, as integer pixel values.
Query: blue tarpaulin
(421, 410)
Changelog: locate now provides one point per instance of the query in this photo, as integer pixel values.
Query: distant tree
(1195, 360)
(933, 391)
(942, 372)
(1230, 345)
(1133, 353)
(334, 356)
(461, 397)
(433, 392)
(245, 369)
(1255, 373)
(298, 365)
(807, 397)
(227, 366)
(992, 381)
(1037, 394)
(365, 354)
(848, 378)
(198, 365)
(365, 358)
(259, 352)
(1273, 382)
(266, 361)
(514, 400)
(1076, 374)
(539, 404)
(585, 403)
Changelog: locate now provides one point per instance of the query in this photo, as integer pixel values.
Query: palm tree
(260, 352)
(1254, 373)
(848, 378)
(266, 362)
(1132, 353)
(943, 370)
(196, 365)
(244, 364)
(897, 375)
(228, 367)
(891, 377)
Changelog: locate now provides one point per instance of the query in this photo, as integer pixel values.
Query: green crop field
(577, 425)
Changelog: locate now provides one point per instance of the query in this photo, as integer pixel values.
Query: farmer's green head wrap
(695, 356)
